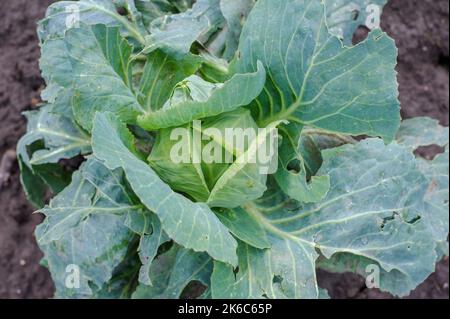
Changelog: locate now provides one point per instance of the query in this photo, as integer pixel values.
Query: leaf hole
(360, 34)
(277, 279)
(193, 290)
(165, 247)
(355, 15)
(386, 220)
(235, 272)
(414, 220)
(122, 11)
(294, 166)
(429, 152)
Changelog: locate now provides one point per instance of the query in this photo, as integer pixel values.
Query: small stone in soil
(5, 166)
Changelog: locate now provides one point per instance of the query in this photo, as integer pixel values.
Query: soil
(420, 28)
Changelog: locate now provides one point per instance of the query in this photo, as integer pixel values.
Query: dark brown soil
(420, 28)
(20, 82)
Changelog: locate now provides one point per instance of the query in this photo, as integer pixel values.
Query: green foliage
(133, 223)
(345, 16)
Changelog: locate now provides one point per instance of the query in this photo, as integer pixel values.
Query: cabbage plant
(345, 190)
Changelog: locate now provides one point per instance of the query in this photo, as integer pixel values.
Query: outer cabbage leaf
(244, 227)
(175, 34)
(65, 15)
(294, 180)
(52, 135)
(152, 9)
(254, 280)
(371, 212)
(214, 69)
(345, 16)
(437, 197)
(313, 142)
(123, 282)
(181, 5)
(394, 281)
(173, 271)
(314, 80)
(192, 225)
(413, 133)
(205, 100)
(161, 74)
(422, 131)
(101, 61)
(36, 181)
(96, 60)
(235, 12)
(442, 249)
(62, 138)
(84, 227)
(301, 158)
(148, 227)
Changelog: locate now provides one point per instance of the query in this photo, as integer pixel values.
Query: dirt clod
(6, 164)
